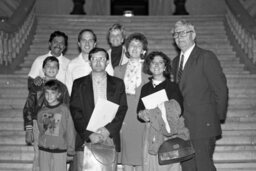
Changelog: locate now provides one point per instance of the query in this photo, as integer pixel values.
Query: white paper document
(151, 101)
(103, 113)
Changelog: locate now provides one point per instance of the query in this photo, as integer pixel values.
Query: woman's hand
(144, 115)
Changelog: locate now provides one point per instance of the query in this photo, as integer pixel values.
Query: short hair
(51, 59)
(136, 36)
(59, 34)
(167, 63)
(184, 22)
(54, 85)
(86, 30)
(97, 49)
(116, 26)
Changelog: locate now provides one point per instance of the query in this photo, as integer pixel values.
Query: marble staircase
(235, 151)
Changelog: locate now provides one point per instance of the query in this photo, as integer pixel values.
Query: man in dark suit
(85, 93)
(204, 88)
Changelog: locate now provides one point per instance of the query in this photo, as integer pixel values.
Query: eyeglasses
(102, 59)
(181, 33)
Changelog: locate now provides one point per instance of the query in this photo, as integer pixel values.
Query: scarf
(132, 77)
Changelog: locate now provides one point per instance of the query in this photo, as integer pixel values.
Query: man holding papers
(98, 105)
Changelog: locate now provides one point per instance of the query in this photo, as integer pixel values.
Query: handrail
(15, 31)
(243, 27)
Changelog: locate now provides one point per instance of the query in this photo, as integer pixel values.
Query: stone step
(235, 155)
(221, 53)
(228, 56)
(236, 166)
(238, 125)
(15, 165)
(217, 43)
(200, 18)
(128, 24)
(233, 69)
(237, 140)
(225, 64)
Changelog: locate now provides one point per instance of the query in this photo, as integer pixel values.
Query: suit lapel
(110, 88)
(88, 90)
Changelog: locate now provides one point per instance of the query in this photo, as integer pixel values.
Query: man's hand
(38, 81)
(104, 132)
(29, 137)
(96, 138)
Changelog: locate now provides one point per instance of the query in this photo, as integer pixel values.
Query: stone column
(180, 7)
(78, 8)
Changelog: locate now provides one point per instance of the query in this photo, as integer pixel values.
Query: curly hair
(167, 63)
(137, 36)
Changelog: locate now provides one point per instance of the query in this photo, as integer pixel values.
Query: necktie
(180, 68)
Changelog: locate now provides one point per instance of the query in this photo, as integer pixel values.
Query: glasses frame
(181, 33)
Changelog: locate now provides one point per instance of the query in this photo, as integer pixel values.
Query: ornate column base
(180, 7)
(78, 8)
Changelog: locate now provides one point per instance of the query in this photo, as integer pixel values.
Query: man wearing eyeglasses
(86, 92)
(204, 88)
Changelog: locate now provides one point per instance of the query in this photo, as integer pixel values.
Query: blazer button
(208, 124)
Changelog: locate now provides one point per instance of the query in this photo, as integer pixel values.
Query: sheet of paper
(151, 101)
(103, 113)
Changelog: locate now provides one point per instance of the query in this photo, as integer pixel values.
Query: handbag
(175, 150)
(99, 157)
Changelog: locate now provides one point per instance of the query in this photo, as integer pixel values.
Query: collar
(188, 51)
(82, 58)
(187, 54)
(59, 57)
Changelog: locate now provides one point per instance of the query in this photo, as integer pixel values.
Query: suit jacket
(82, 106)
(205, 93)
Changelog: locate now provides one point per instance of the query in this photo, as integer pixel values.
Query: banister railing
(15, 31)
(243, 28)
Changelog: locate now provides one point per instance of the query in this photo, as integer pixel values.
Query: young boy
(35, 101)
(56, 130)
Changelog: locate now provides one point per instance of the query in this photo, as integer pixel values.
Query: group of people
(63, 94)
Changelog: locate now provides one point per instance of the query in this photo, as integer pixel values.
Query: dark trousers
(203, 160)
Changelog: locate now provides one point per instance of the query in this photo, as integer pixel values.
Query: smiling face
(135, 49)
(116, 38)
(157, 66)
(51, 96)
(187, 39)
(51, 69)
(86, 42)
(57, 45)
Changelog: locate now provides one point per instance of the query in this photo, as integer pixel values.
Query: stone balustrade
(242, 26)
(13, 34)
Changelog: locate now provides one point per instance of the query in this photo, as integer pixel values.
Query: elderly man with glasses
(204, 88)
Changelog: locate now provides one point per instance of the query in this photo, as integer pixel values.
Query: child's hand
(29, 137)
(38, 81)
(69, 158)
